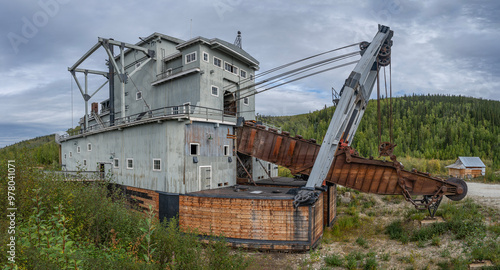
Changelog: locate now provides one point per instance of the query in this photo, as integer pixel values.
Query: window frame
(127, 163)
(212, 90)
(191, 149)
(234, 68)
(226, 153)
(159, 160)
(188, 56)
(241, 73)
(208, 57)
(116, 163)
(220, 62)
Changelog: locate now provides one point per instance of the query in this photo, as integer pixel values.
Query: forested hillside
(430, 127)
(44, 149)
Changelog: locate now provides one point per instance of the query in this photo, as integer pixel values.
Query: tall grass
(73, 225)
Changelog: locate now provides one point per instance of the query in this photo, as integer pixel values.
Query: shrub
(370, 263)
(334, 260)
(395, 230)
(362, 242)
(486, 250)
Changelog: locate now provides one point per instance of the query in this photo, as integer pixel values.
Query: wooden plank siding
(143, 198)
(330, 205)
(463, 173)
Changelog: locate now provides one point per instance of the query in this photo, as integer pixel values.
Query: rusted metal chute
(349, 169)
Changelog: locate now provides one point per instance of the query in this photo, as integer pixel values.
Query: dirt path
(488, 194)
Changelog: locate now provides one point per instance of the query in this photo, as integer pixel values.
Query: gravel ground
(400, 256)
(488, 194)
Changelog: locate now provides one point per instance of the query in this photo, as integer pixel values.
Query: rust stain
(277, 147)
(349, 169)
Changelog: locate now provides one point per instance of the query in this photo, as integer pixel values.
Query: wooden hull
(265, 221)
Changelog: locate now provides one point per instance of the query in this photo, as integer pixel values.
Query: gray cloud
(446, 47)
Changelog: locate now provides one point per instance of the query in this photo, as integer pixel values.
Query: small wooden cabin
(467, 167)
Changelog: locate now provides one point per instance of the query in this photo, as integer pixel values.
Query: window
(243, 73)
(64, 155)
(175, 110)
(84, 162)
(138, 95)
(116, 163)
(269, 167)
(78, 149)
(70, 154)
(251, 77)
(215, 91)
(246, 101)
(226, 150)
(205, 57)
(191, 57)
(89, 147)
(230, 68)
(217, 62)
(194, 149)
(130, 163)
(168, 72)
(156, 164)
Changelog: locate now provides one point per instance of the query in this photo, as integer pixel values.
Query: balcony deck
(180, 113)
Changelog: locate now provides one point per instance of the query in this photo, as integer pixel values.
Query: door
(205, 180)
(102, 173)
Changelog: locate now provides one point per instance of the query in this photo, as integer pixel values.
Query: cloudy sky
(446, 47)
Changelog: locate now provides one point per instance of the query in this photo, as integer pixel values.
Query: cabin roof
(467, 162)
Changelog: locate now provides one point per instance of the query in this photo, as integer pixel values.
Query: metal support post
(86, 102)
(122, 60)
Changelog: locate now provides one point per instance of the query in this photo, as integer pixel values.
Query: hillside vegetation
(428, 127)
(44, 150)
(434, 128)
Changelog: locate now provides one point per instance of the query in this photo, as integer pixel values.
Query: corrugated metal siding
(223, 168)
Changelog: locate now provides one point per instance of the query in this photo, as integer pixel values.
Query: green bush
(362, 242)
(370, 263)
(334, 260)
(395, 230)
(487, 250)
(93, 227)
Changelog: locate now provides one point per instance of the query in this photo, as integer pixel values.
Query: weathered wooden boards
(143, 198)
(266, 222)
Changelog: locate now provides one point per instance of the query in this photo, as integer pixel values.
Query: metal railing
(77, 175)
(169, 72)
(173, 112)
